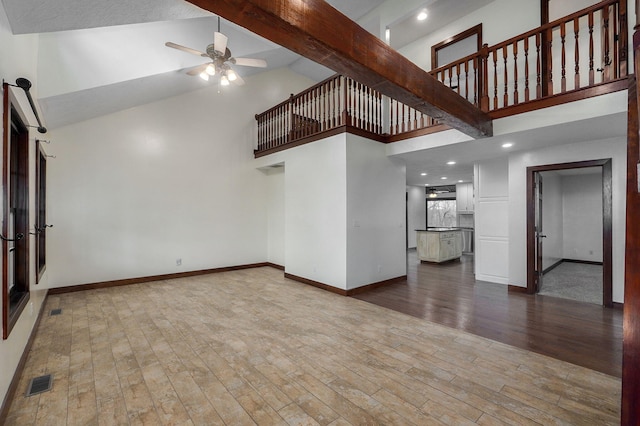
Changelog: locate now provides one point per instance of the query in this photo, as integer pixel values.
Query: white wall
(275, 215)
(376, 226)
(316, 211)
(582, 219)
(492, 248)
(19, 60)
(552, 219)
(614, 148)
(132, 192)
(416, 213)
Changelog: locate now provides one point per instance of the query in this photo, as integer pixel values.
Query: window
(441, 213)
(41, 211)
(456, 47)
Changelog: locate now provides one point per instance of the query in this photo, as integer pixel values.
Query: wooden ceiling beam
(314, 29)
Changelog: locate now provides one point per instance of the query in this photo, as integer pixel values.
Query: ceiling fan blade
(185, 49)
(251, 62)
(197, 70)
(239, 81)
(220, 42)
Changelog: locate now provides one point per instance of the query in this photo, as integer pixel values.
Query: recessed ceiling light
(451, 163)
(507, 145)
(423, 174)
(443, 178)
(460, 181)
(422, 15)
(426, 184)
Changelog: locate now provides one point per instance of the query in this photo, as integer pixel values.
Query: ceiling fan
(221, 61)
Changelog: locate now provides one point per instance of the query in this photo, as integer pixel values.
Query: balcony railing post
(483, 78)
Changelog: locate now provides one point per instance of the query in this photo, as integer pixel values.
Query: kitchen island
(439, 244)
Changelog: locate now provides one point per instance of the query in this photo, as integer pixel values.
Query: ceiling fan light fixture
(204, 75)
(224, 81)
(231, 75)
(211, 69)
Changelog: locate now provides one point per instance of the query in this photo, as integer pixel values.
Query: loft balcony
(581, 55)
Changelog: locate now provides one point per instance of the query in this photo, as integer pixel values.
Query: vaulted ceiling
(98, 57)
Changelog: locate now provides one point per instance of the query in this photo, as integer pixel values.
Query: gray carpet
(576, 281)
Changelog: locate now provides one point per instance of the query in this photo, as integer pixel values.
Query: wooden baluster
(403, 119)
(313, 98)
(576, 32)
(289, 118)
(538, 67)
(336, 101)
(367, 102)
(505, 99)
(270, 127)
(526, 69)
(397, 118)
(283, 125)
(458, 77)
(466, 81)
(347, 106)
(278, 126)
(549, 64)
(379, 129)
(357, 108)
(361, 107)
(315, 103)
(334, 90)
(476, 78)
(605, 28)
(495, 79)
(307, 115)
(515, 73)
(563, 80)
(450, 77)
(295, 123)
(354, 103)
(591, 71)
(323, 106)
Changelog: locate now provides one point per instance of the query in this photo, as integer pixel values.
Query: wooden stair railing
(524, 68)
(580, 55)
(337, 102)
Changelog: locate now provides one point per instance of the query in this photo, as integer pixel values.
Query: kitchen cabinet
(464, 197)
(439, 244)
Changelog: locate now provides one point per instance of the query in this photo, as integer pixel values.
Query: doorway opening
(589, 235)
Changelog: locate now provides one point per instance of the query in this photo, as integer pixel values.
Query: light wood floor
(249, 347)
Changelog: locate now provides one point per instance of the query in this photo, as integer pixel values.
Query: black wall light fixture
(25, 85)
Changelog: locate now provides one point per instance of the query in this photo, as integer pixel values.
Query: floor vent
(39, 384)
(55, 312)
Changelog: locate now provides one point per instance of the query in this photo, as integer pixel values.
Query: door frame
(12, 113)
(607, 218)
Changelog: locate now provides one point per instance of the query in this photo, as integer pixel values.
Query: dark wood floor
(448, 294)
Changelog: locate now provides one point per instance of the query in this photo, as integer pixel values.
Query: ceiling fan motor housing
(216, 55)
